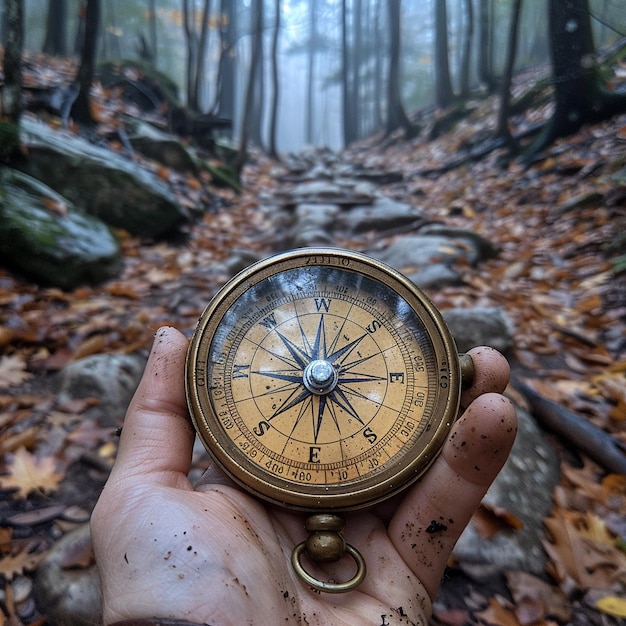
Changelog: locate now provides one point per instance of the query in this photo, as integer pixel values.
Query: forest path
(559, 275)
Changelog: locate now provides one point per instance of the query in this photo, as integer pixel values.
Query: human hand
(211, 554)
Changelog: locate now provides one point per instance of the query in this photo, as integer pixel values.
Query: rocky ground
(537, 250)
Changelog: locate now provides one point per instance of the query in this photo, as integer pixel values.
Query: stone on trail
(480, 326)
(522, 489)
(383, 214)
(69, 595)
(110, 378)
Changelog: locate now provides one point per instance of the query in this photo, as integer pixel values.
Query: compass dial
(322, 379)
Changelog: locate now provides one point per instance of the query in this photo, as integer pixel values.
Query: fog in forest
(330, 75)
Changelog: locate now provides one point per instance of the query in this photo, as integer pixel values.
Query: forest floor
(560, 275)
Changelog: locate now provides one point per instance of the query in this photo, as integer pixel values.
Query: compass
(323, 381)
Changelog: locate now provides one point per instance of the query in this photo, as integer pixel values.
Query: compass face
(322, 379)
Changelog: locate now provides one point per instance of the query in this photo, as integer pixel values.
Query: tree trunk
(191, 38)
(466, 55)
(201, 58)
(443, 85)
(256, 7)
(345, 75)
(355, 61)
(81, 109)
(502, 128)
(580, 96)
(485, 35)
(275, 87)
(11, 95)
(55, 42)
(153, 31)
(225, 84)
(255, 118)
(396, 116)
(311, 70)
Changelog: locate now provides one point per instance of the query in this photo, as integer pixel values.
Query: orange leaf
(11, 566)
(92, 345)
(27, 474)
(13, 371)
(58, 207)
(490, 520)
(496, 615)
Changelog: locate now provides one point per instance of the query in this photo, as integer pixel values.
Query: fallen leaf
(36, 516)
(13, 371)
(27, 474)
(56, 206)
(530, 594)
(582, 550)
(78, 554)
(24, 561)
(489, 520)
(612, 605)
(497, 615)
(5, 540)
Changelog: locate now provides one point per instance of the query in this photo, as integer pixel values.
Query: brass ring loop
(320, 585)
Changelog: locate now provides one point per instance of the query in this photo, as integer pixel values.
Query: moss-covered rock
(100, 182)
(43, 236)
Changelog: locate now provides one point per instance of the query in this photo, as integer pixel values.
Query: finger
(432, 516)
(157, 437)
(491, 374)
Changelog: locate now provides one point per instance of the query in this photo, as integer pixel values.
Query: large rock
(161, 147)
(111, 378)
(383, 214)
(428, 260)
(46, 238)
(67, 585)
(524, 489)
(100, 182)
(480, 326)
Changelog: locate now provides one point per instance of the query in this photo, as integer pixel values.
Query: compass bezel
(282, 490)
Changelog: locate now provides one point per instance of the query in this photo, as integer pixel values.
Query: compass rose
(320, 377)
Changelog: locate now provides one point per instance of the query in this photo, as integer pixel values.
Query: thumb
(157, 436)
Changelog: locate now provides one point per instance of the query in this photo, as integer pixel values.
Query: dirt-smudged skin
(214, 555)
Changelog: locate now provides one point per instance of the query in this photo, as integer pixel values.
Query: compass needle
(323, 381)
(298, 354)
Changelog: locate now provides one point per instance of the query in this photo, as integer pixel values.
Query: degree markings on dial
(302, 352)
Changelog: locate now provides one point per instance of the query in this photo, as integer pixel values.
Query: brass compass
(324, 381)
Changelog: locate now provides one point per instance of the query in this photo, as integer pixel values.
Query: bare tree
(466, 53)
(11, 94)
(275, 86)
(81, 109)
(502, 128)
(485, 45)
(224, 104)
(55, 42)
(199, 77)
(580, 94)
(152, 15)
(256, 9)
(396, 116)
(313, 36)
(349, 86)
(443, 85)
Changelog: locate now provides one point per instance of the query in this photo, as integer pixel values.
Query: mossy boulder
(100, 182)
(44, 237)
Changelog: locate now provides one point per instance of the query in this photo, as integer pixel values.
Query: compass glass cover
(322, 381)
